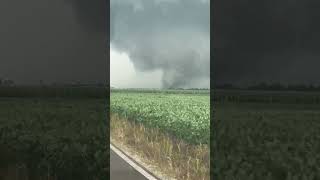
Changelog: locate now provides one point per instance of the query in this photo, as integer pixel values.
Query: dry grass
(172, 157)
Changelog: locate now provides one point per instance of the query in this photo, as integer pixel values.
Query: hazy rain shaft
(168, 35)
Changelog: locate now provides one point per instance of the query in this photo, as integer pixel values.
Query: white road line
(132, 163)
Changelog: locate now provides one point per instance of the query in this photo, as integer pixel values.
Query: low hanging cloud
(168, 35)
(121, 63)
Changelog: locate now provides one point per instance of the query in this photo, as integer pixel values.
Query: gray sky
(266, 41)
(124, 75)
(160, 43)
(55, 41)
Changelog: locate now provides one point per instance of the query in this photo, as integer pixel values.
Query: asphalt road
(121, 170)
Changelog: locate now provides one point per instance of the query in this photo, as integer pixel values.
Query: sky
(266, 41)
(160, 43)
(60, 41)
(124, 75)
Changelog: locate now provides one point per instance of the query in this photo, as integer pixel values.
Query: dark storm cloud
(54, 41)
(169, 35)
(91, 14)
(267, 41)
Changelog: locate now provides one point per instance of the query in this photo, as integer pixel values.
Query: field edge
(169, 157)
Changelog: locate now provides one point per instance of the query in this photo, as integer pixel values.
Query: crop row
(65, 138)
(185, 116)
(266, 141)
(243, 96)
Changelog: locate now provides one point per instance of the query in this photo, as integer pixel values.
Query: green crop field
(54, 133)
(184, 115)
(266, 135)
(168, 129)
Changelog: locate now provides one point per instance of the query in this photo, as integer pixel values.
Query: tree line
(271, 87)
(6, 82)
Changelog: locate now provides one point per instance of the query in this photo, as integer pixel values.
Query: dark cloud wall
(168, 35)
(92, 15)
(55, 41)
(271, 40)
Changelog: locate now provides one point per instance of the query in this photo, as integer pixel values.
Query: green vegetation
(60, 136)
(266, 135)
(275, 86)
(53, 91)
(184, 116)
(167, 91)
(267, 97)
(173, 158)
(170, 129)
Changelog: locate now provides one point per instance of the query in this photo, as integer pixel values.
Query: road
(120, 169)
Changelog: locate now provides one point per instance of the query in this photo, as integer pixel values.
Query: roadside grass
(169, 156)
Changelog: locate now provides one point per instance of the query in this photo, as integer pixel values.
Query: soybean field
(53, 133)
(184, 115)
(266, 135)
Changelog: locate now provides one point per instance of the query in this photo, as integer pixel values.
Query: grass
(59, 138)
(21, 172)
(259, 140)
(169, 156)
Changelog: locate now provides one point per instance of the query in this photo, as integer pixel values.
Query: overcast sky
(266, 41)
(124, 75)
(160, 43)
(55, 41)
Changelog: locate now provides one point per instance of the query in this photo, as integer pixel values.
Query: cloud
(266, 41)
(55, 41)
(123, 74)
(161, 35)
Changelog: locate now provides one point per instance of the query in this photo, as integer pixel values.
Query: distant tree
(311, 87)
(11, 82)
(225, 86)
(277, 87)
(259, 86)
(7, 82)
